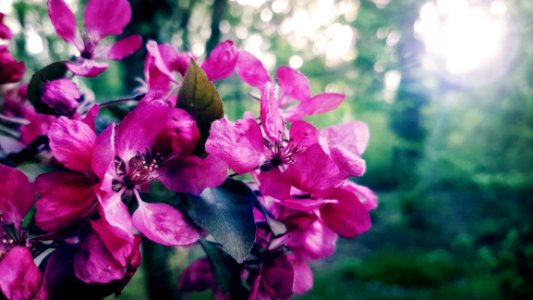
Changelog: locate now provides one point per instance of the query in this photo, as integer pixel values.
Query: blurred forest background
(447, 89)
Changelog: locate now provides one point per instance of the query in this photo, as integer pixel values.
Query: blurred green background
(446, 88)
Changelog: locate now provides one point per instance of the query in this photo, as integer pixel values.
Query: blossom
(62, 95)
(101, 19)
(10, 69)
(21, 279)
(155, 142)
(295, 98)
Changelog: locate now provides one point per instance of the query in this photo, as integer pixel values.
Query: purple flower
(101, 19)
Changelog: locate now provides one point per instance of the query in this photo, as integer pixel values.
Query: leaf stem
(135, 98)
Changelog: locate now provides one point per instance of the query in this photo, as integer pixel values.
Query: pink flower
(165, 67)
(10, 69)
(5, 32)
(295, 97)
(20, 278)
(61, 95)
(101, 19)
(154, 142)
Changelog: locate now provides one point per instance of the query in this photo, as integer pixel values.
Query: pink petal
(20, 278)
(87, 67)
(313, 177)
(139, 129)
(125, 47)
(17, 195)
(272, 183)
(90, 116)
(72, 143)
(319, 104)
(365, 195)
(197, 277)
(104, 151)
(192, 174)
(64, 198)
(303, 134)
(271, 120)
(157, 72)
(348, 217)
(315, 242)
(115, 227)
(176, 61)
(353, 136)
(251, 70)
(164, 224)
(106, 17)
(293, 83)
(239, 144)
(277, 277)
(221, 61)
(62, 95)
(10, 70)
(305, 204)
(303, 276)
(349, 163)
(94, 263)
(5, 32)
(63, 20)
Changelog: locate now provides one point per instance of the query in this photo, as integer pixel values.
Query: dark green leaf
(53, 71)
(222, 267)
(199, 97)
(226, 212)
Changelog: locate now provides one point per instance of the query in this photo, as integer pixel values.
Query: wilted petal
(349, 217)
(94, 263)
(163, 224)
(318, 104)
(87, 67)
(16, 196)
(271, 120)
(221, 61)
(63, 20)
(239, 144)
(106, 17)
(251, 70)
(72, 143)
(20, 278)
(64, 198)
(61, 95)
(125, 47)
(192, 174)
(293, 83)
(104, 151)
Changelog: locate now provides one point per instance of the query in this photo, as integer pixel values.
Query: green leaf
(199, 97)
(56, 70)
(226, 212)
(222, 267)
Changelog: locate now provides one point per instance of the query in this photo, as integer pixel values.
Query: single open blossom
(101, 19)
(295, 93)
(155, 142)
(5, 32)
(62, 95)
(165, 67)
(10, 69)
(21, 279)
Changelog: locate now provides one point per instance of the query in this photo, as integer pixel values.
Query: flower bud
(62, 95)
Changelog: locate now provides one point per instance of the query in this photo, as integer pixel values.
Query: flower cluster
(263, 195)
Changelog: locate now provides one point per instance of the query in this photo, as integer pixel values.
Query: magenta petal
(94, 263)
(157, 71)
(61, 95)
(353, 136)
(72, 143)
(239, 144)
(303, 134)
(125, 47)
(90, 116)
(365, 195)
(115, 227)
(63, 20)
(20, 278)
(106, 17)
(349, 217)
(313, 177)
(251, 70)
(272, 183)
(64, 198)
(221, 61)
(11, 70)
(104, 151)
(163, 224)
(192, 174)
(319, 104)
(317, 241)
(349, 164)
(305, 204)
(17, 195)
(87, 68)
(293, 83)
(303, 276)
(139, 129)
(277, 277)
(5, 32)
(197, 277)
(271, 120)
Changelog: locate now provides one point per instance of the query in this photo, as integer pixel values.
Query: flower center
(138, 171)
(283, 154)
(10, 236)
